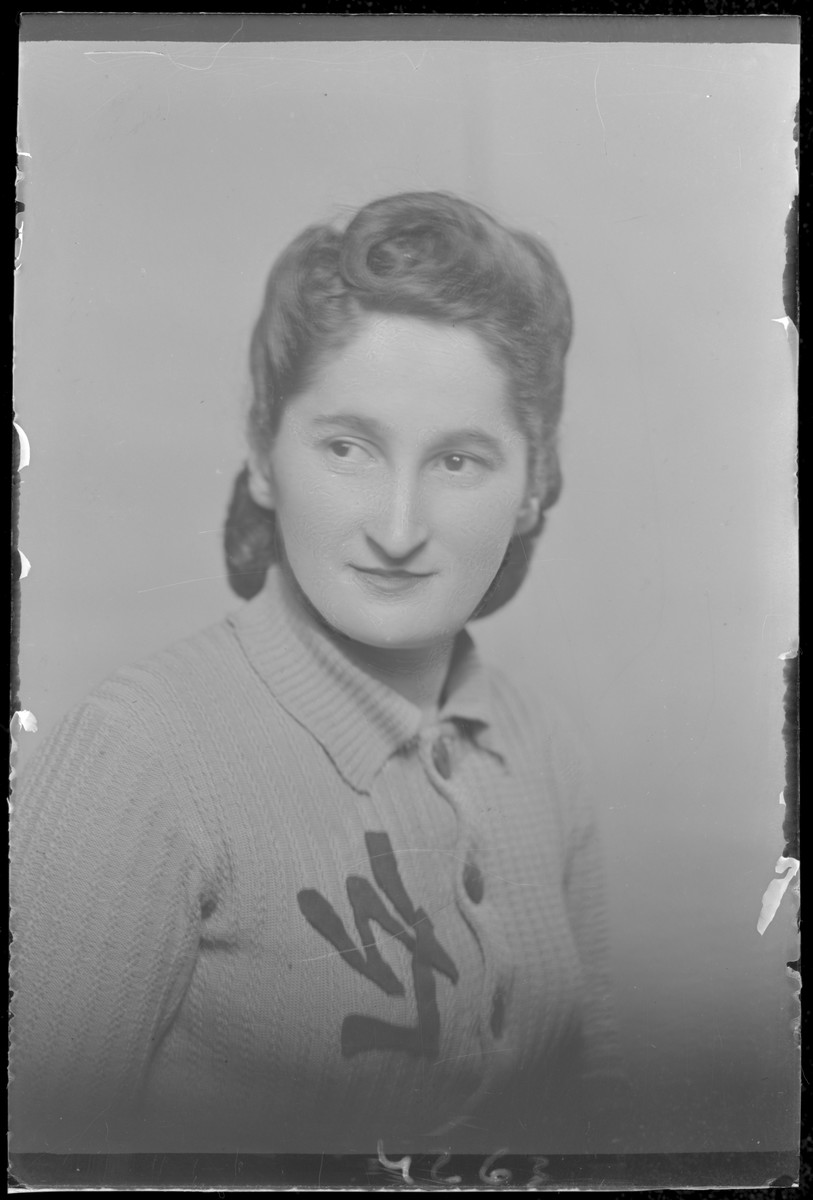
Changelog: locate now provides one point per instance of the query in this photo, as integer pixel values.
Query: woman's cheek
(488, 525)
(317, 500)
(330, 517)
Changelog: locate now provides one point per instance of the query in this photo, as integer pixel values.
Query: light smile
(393, 572)
(396, 581)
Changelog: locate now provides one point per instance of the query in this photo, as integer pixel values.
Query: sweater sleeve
(105, 917)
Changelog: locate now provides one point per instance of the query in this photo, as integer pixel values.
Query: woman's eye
(464, 465)
(347, 451)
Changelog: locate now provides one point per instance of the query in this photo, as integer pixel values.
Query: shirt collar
(359, 721)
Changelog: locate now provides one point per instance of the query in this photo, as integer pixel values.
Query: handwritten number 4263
(414, 931)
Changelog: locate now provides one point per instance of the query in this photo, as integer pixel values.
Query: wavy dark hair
(421, 254)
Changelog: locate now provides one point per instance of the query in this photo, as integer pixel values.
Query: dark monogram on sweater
(360, 1033)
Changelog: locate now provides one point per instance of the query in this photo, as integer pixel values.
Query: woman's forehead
(410, 352)
(399, 331)
(406, 372)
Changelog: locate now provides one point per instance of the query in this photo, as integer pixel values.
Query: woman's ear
(259, 482)
(528, 515)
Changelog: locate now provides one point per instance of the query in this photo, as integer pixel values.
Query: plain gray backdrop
(160, 180)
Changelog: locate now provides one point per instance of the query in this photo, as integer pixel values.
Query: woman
(316, 879)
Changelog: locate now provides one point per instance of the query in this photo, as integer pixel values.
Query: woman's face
(398, 478)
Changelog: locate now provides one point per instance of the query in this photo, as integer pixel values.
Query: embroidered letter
(361, 1033)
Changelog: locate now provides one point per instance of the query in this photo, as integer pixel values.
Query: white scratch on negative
(124, 53)
(25, 720)
(775, 891)
(472, 1054)
(361, 863)
(416, 65)
(378, 942)
(179, 583)
(598, 110)
(25, 447)
(164, 54)
(21, 721)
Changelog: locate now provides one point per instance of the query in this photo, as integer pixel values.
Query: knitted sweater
(260, 905)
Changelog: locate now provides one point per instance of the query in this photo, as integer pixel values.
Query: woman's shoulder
(193, 680)
(534, 711)
(158, 724)
(543, 734)
(157, 682)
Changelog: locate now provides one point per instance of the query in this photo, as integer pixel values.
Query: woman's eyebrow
(368, 425)
(471, 435)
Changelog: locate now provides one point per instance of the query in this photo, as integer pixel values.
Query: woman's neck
(418, 674)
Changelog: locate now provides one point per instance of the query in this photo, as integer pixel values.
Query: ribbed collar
(359, 721)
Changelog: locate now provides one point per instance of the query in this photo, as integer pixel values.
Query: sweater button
(442, 759)
(473, 882)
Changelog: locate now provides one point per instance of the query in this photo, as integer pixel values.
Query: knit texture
(260, 905)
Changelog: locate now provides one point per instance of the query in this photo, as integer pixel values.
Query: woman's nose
(396, 525)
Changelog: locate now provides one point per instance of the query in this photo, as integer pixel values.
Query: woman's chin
(391, 630)
(395, 639)
(390, 614)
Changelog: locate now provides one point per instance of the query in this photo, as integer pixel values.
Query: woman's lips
(383, 580)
